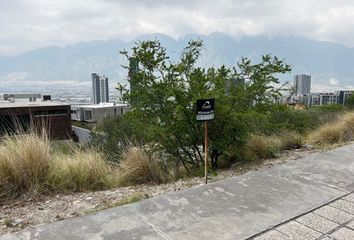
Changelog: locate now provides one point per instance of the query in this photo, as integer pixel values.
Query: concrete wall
(100, 113)
(83, 135)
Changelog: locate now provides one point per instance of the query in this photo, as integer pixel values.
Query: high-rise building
(302, 84)
(99, 88)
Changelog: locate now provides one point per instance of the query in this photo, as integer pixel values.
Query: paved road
(242, 207)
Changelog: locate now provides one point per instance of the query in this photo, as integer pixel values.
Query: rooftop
(102, 105)
(26, 103)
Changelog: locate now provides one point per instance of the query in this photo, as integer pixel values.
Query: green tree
(164, 112)
(350, 102)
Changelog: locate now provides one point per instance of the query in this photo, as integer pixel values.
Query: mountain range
(329, 64)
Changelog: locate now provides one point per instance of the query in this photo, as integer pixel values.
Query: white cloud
(15, 77)
(334, 82)
(28, 24)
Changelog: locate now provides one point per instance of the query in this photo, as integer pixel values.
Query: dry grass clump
(24, 161)
(339, 131)
(137, 166)
(348, 127)
(330, 133)
(261, 147)
(79, 171)
(290, 140)
(31, 164)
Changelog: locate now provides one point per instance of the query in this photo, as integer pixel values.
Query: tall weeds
(30, 164)
(79, 171)
(137, 166)
(336, 132)
(24, 163)
(262, 146)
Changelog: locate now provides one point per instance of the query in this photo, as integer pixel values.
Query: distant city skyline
(31, 24)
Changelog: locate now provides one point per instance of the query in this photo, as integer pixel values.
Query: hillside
(323, 60)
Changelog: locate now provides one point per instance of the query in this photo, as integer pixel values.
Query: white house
(97, 112)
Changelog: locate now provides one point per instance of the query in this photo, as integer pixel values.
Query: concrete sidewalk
(242, 207)
(333, 221)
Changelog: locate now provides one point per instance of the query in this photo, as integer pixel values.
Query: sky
(30, 24)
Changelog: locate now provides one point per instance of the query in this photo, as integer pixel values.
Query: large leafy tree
(165, 94)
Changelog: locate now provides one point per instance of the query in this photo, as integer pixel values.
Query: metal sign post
(206, 151)
(205, 113)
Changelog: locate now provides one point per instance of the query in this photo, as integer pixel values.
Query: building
(18, 96)
(302, 84)
(338, 97)
(320, 99)
(36, 113)
(344, 95)
(100, 91)
(97, 112)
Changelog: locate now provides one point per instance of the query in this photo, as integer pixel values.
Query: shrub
(261, 147)
(348, 127)
(330, 108)
(290, 140)
(137, 166)
(31, 164)
(349, 103)
(255, 122)
(24, 161)
(327, 113)
(338, 131)
(79, 171)
(110, 136)
(327, 134)
(300, 120)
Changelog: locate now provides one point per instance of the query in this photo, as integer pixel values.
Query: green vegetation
(136, 166)
(350, 102)
(335, 132)
(31, 164)
(24, 163)
(164, 97)
(250, 124)
(85, 125)
(79, 171)
(260, 147)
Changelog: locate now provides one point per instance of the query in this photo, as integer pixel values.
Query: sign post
(205, 113)
(206, 151)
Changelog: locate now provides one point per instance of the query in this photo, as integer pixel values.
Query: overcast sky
(30, 24)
